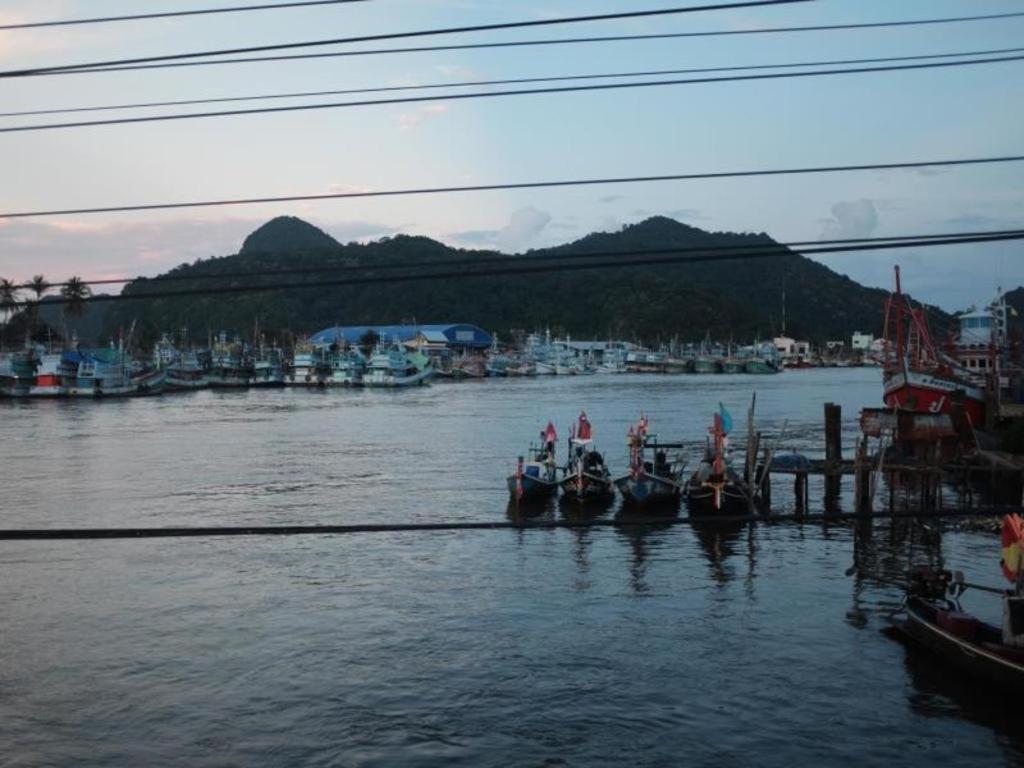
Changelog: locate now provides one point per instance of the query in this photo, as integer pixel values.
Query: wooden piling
(862, 479)
(833, 453)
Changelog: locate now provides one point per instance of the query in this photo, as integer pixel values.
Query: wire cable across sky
(441, 190)
(170, 14)
(415, 33)
(553, 41)
(506, 81)
(502, 94)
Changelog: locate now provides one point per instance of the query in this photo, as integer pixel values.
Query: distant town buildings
(791, 349)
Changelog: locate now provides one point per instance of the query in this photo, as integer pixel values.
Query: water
(662, 645)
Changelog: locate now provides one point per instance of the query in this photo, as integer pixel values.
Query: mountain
(738, 298)
(286, 234)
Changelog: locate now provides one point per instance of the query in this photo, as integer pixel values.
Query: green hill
(738, 298)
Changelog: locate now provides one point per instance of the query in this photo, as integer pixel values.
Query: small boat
(586, 477)
(935, 621)
(107, 372)
(18, 373)
(706, 364)
(734, 365)
(536, 478)
(649, 483)
(391, 366)
(715, 488)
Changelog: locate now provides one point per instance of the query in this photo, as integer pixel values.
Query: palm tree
(38, 285)
(8, 300)
(75, 292)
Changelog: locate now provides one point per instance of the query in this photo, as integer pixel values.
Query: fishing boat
(267, 368)
(614, 358)
(52, 374)
(18, 373)
(586, 477)
(230, 364)
(918, 376)
(186, 372)
(935, 621)
(734, 364)
(705, 363)
(536, 477)
(650, 482)
(391, 366)
(346, 368)
(469, 367)
(541, 352)
(310, 366)
(715, 488)
(764, 360)
(107, 372)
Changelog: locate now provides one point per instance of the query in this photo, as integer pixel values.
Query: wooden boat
(586, 478)
(707, 364)
(935, 621)
(536, 478)
(715, 488)
(649, 483)
(392, 366)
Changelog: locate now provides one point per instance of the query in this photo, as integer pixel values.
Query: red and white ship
(920, 377)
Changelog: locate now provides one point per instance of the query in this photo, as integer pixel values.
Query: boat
(734, 365)
(650, 482)
(310, 366)
(764, 360)
(935, 621)
(52, 372)
(391, 365)
(706, 364)
(613, 360)
(918, 376)
(536, 477)
(345, 368)
(469, 367)
(715, 488)
(267, 368)
(586, 477)
(541, 352)
(18, 373)
(230, 365)
(107, 372)
(184, 370)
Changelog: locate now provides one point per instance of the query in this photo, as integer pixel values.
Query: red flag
(584, 429)
(1013, 533)
(550, 435)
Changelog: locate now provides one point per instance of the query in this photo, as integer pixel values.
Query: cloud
(851, 218)
(610, 199)
(409, 120)
(523, 227)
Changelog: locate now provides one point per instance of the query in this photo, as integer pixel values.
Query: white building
(861, 341)
(789, 349)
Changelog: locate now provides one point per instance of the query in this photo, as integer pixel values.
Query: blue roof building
(455, 335)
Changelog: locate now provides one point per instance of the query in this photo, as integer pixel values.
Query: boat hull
(706, 366)
(381, 379)
(533, 488)
(922, 392)
(706, 500)
(761, 367)
(974, 657)
(581, 489)
(648, 490)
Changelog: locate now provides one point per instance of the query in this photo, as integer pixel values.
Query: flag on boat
(1013, 532)
(550, 435)
(726, 418)
(583, 432)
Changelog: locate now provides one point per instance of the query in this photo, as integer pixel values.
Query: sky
(847, 119)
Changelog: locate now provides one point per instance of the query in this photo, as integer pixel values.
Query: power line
(506, 81)
(169, 14)
(518, 269)
(406, 35)
(518, 185)
(555, 41)
(548, 255)
(498, 94)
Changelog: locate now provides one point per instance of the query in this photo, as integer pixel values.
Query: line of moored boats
(657, 472)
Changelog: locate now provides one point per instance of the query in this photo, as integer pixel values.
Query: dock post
(862, 479)
(766, 479)
(833, 454)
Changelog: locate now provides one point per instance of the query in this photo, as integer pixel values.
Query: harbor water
(655, 645)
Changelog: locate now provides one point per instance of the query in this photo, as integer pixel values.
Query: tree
(38, 285)
(368, 341)
(8, 300)
(75, 293)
